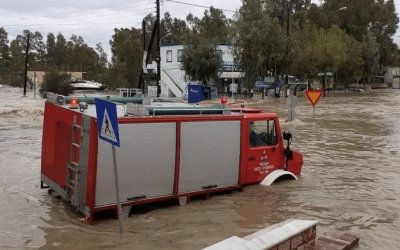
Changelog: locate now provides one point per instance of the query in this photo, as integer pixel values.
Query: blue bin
(195, 93)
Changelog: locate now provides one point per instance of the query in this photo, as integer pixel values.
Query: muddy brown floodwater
(350, 181)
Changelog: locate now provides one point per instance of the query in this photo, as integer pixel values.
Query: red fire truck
(167, 151)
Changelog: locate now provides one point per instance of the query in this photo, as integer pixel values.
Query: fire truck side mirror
(288, 152)
(287, 135)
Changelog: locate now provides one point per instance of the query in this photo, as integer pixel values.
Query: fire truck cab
(167, 151)
(264, 151)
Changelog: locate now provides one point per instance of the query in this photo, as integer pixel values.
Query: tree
(214, 26)
(81, 57)
(61, 53)
(16, 63)
(308, 54)
(56, 82)
(259, 38)
(372, 24)
(4, 56)
(76, 53)
(351, 68)
(38, 49)
(291, 15)
(64, 55)
(201, 60)
(174, 30)
(126, 58)
(193, 23)
(343, 53)
(51, 50)
(102, 56)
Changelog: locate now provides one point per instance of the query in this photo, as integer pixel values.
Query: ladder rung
(71, 186)
(73, 165)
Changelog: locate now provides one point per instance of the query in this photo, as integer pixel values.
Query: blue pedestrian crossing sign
(107, 121)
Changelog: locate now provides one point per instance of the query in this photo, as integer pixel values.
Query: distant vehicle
(355, 89)
(87, 85)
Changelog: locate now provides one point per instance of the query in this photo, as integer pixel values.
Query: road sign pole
(107, 126)
(290, 108)
(117, 189)
(313, 112)
(291, 102)
(313, 97)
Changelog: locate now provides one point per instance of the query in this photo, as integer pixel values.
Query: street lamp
(168, 34)
(326, 46)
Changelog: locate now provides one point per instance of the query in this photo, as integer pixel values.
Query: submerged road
(350, 181)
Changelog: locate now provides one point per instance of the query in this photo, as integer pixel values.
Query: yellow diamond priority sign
(313, 96)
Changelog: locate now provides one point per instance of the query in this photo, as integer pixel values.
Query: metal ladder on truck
(73, 175)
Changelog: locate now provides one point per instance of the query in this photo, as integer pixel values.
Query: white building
(392, 77)
(173, 79)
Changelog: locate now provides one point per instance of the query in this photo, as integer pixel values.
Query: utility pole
(275, 77)
(26, 63)
(287, 42)
(325, 62)
(141, 77)
(144, 35)
(233, 60)
(146, 55)
(158, 49)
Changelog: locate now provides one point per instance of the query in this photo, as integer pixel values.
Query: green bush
(57, 82)
(16, 79)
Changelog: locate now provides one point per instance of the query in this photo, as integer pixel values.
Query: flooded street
(350, 181)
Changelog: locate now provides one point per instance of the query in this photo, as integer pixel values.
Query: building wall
(38, 75)
(171, 65)
(392, 77)
(288, 235)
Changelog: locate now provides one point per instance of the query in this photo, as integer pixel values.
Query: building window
(169, 55)
(179, 55)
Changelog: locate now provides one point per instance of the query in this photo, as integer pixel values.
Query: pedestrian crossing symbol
(107, 121)
(107, 130)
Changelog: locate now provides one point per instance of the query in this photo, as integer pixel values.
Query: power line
(83, 21)
(77, 14)
(200, 6)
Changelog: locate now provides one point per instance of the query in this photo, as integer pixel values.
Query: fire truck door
(146, 163)
(209, 156)
(262, 154)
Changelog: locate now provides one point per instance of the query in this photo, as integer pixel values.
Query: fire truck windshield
(262, 133)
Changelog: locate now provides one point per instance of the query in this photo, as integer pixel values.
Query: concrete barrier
(288, 235)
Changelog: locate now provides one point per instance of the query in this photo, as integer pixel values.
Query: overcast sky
(95, 20)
